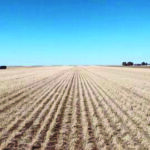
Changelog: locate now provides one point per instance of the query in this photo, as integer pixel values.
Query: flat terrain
(74, 108)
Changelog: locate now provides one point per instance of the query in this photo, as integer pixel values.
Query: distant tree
(130, 63)
(124, 64)
(3, 67)
(144, 64)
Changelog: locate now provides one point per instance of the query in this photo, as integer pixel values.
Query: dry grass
(76, 108)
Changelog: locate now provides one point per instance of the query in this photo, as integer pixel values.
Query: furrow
(88, 108)
(135, 109)
(24, 139)
(28, 115)
(138, 109)
(18, 92)
(63, 135)
(139, 138)
(26, 103)
(18, 99)
(40, 135)
(51, 136)
(88, 144)
(105, 131)
(122, 89)
(76, 136)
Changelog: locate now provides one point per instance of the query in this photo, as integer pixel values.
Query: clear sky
(67, 32)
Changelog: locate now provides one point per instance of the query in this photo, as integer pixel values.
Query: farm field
(74, 108)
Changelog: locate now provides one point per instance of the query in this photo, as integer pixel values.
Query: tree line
(3, 67)
(132, 64)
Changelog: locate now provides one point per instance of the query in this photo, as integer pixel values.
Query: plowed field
(74, 108)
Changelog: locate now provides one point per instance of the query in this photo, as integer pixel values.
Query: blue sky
(68, 32)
